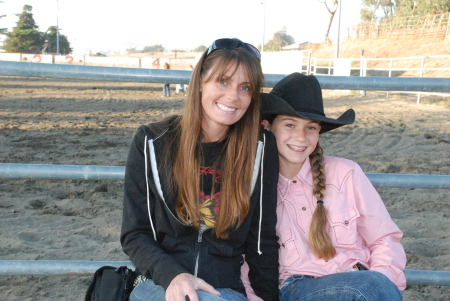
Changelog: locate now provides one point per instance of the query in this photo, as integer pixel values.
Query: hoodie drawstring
(261, 196)
(148, 189)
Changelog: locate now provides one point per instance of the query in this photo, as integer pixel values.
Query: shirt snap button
(303, 208)
(346, 223)
(295, 181)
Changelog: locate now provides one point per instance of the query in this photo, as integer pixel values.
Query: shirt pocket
(289, 253)
(344, 226)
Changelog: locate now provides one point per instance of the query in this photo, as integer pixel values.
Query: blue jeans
(148, 290)
(166, 90)
(360, 285)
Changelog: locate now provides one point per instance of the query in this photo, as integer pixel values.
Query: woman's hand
(185, 284)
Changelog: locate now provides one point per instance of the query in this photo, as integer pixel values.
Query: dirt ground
(50, 121)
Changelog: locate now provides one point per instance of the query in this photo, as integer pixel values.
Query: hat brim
(274, 105)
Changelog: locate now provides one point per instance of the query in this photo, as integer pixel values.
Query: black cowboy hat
(300, 95)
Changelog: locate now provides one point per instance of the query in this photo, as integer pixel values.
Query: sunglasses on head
(233, 44)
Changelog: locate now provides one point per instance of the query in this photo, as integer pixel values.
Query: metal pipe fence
(78, 267)
(85, 172)
(94, 172)
(182, 77)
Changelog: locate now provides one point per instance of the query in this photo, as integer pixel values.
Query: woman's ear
(266, 124)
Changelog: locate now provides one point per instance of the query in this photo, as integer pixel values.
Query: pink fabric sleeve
(248, 288)
(379, 231)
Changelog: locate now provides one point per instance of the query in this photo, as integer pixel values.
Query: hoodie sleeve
(262, 243)
(138, 233)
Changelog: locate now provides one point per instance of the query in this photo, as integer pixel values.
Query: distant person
(166, 87)
(186, 87)
(337, 240)
(200, 188)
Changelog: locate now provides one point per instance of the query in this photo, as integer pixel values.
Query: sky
(111, 26)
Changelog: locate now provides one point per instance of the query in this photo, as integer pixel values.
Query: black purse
(111, 284)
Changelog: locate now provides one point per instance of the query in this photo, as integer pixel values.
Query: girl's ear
(266, 124)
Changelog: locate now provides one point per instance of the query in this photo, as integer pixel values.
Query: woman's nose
(232, 94)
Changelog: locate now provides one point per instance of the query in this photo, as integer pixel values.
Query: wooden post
(362, 70)
(421, 75)
(390, 74)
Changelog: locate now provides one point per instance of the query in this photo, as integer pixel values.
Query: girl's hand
(185, 284)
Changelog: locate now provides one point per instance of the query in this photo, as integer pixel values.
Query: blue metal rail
(74, 267)
(376, 83)
(94, 172)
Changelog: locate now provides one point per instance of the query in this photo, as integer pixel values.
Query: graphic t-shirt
(209, 176)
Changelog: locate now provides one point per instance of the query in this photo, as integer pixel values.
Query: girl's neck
(289, 170)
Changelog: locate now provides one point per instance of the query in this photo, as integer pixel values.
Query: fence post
(390, 74)
(308, 70)
(362, 70)
(422, 64)
(448, 25)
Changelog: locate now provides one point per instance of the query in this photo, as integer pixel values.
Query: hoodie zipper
(199, 241)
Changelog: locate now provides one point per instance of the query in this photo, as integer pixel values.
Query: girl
(200, 191)
(331, 220)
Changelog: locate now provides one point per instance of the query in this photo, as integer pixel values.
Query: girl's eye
(312, 127)
(245, 88)
(290, 125)
(223, 81)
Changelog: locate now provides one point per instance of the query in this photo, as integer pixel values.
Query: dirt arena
(51, 121)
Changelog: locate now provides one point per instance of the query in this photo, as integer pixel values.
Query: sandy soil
(49, 121)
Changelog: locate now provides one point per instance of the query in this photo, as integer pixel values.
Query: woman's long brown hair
(240, 145)
(319, 240)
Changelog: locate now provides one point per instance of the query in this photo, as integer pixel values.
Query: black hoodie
(161, 247)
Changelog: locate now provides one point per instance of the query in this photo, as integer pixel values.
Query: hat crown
(300, 96)
(302, 92)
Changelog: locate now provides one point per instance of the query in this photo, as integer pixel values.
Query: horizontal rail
(75, 267)
(95, 172)
(62, 172)
(376, 83)
(56, 267)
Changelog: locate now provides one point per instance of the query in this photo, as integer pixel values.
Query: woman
(331, 220)
(200, 191)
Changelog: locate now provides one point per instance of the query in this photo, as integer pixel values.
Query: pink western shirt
(359, 225)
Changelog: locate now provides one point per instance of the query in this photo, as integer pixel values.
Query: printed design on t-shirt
(209, 204)
(209, 208)
(209, 170)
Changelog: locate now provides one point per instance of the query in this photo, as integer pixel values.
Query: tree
(280, 39)
(332, 11)
(50, 41)
(200, 48)
(402, 8)
(371, 7)
(154, 48)
(405, 8)
(2, 30)
(24, 37)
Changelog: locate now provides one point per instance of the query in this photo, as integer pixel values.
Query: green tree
(154, 48)
(279, 39)
(2, 30)
(50, 42)
(133, 50)
(405, 8)
(200, 48)
(24, 37)
(371, 9)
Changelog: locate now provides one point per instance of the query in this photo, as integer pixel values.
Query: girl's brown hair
(240, 144)
(319, 240)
